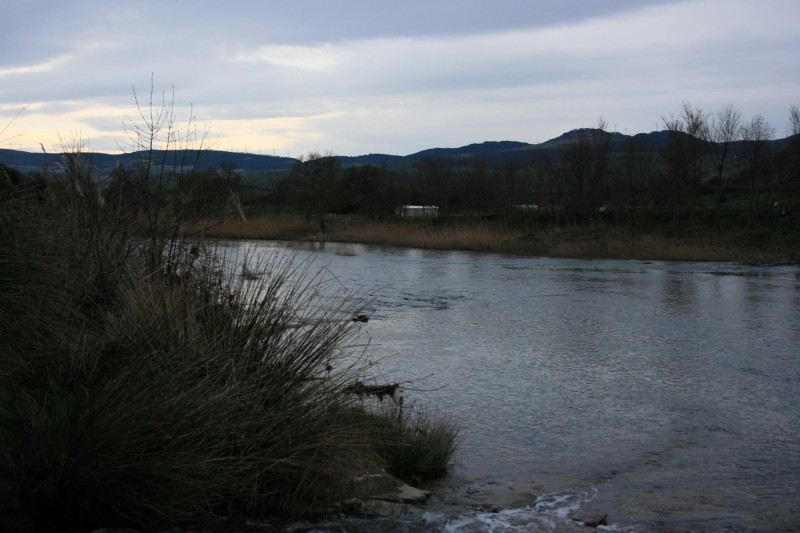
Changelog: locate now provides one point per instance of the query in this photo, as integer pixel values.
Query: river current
(665, 394)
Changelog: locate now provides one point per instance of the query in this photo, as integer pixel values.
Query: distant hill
(492, 153)
(208, 158)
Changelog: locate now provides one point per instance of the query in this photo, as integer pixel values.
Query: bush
(411, 444)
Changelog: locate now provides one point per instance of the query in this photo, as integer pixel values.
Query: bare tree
(757, 173)
(792, 178)
(794, 120)
(586, 161)
(576, 160)
(434, 181)
(476, 187)
(637, 171)
(317, 177)
(549, 185)
(511, 183)
(163, 149)
(724, 128)
(683, 156)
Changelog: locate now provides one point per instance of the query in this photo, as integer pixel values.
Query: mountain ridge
(491, 152)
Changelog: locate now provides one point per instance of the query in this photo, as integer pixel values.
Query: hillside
(491, 152)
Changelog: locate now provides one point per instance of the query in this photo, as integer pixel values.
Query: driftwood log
(380, 391)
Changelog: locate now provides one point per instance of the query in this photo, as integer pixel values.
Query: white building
(417, 211)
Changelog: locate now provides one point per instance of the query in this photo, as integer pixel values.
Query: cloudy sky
(371, 76)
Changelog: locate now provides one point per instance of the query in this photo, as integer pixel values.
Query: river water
(665, 394)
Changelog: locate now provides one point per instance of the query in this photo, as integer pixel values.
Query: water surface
(666, 394)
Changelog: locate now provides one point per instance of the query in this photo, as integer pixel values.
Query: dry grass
(430, 236)
(620, 244)
(581, 242)
(615, 243)
(477, 237)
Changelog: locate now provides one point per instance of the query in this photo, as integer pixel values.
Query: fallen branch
(380, 391)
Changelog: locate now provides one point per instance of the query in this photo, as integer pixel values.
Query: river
(665, 394)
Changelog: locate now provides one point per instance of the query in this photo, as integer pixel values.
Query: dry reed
(583, 242)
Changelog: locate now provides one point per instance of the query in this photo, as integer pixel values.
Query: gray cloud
(356, 76)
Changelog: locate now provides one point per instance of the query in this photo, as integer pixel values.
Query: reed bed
(596, 241)
(619, 243)
(477, 237)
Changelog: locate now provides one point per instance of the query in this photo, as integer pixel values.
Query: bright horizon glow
(361, 77)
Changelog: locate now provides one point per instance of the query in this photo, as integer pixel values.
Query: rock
(487, 494)
(377, 493)
(409, 494)
(591, 519)
(377, 484)
(383, 509)
(351, 506)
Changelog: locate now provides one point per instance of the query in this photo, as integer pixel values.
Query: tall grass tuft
(415, 446)
(133, 396)
(411, 444)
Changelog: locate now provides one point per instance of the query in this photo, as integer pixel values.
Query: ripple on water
(682, 378)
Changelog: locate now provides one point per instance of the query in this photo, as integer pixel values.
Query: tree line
(713, 163)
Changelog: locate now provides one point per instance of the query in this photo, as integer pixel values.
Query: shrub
(412, 444)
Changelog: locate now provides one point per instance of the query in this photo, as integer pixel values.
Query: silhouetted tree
(434, 183)
(724, 129)
(316, 178)
(586, 162)
(549, 185)
(792, 173)
(164, 150)
(757, 168)
(683, 157)
(477, 191)
(367, 190)
(512, 185)
(636, 177)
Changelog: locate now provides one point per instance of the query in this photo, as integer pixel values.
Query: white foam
(550, 512)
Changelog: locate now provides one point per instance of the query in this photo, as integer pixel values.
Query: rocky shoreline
(385, 497)
(377, 494)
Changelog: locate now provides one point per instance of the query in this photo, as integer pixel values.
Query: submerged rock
(591, 519)
(378, 493)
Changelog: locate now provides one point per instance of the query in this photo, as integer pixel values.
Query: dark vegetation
(143, 382)
(705, 177)
(704, 168)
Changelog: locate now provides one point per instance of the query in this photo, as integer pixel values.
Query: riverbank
(776, 244)
(145, 385)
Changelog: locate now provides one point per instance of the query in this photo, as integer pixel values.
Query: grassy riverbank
(143, 384)
(778, 242)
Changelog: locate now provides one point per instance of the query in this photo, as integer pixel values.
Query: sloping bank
(145, 385)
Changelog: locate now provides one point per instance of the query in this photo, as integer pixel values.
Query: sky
(352, 77)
